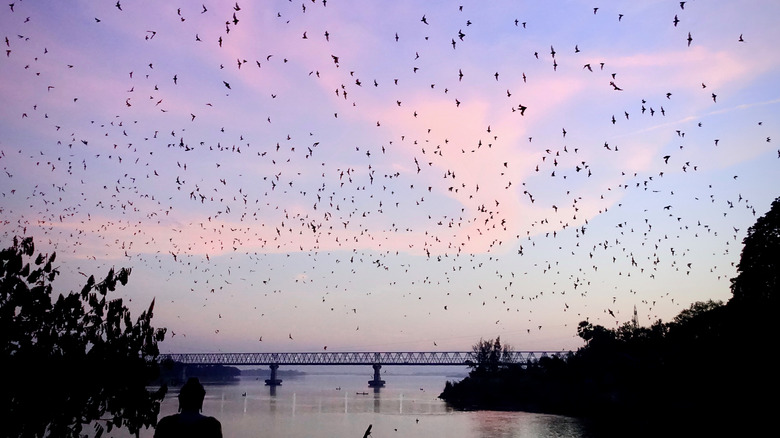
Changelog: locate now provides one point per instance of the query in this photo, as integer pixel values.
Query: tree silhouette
(489, 356)
(73, 361)
(758, 281)
(753, 317)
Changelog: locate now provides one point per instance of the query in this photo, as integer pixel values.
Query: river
(342, 405)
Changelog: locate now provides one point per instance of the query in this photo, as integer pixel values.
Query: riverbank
(622, 395)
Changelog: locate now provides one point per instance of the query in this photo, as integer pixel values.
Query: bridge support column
(273, 381)
(377, 381)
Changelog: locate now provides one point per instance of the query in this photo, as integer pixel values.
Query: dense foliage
(489, 356)
(759, 266)
(708, 369)
(73, 360)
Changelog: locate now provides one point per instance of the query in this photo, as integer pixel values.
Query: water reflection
(491, 424)
(272, 401)
(495, 425)
(328, 406)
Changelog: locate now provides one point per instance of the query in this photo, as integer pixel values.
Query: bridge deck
(351, 358)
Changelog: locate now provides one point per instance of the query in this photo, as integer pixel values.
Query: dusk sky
(390, 176)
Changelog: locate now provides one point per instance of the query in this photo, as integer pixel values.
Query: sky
(390, 176)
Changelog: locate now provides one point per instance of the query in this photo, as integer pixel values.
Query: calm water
(343, 406)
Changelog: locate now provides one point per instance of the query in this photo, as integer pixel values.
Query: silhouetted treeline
(266, 372)
(709, 370)
(176, 373)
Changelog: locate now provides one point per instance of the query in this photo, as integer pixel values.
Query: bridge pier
(273, 381)
(377, 381)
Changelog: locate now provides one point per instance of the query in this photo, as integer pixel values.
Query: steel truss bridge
(352, 358)
(374, 359)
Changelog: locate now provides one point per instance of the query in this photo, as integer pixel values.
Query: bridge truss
(352, 358)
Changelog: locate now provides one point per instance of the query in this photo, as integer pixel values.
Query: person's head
(191, 395)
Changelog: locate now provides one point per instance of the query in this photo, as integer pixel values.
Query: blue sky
(365, 191)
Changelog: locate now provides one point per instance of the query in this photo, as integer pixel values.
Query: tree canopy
(489, 355)
(75, 360)
(758, 282)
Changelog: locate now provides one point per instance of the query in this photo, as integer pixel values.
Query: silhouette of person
(189, 422)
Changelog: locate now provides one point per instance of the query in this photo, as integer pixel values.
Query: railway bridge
(374, 359)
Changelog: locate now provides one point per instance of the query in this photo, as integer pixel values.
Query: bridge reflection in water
(373, 359)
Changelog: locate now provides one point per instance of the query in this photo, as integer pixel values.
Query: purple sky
(292, 176)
